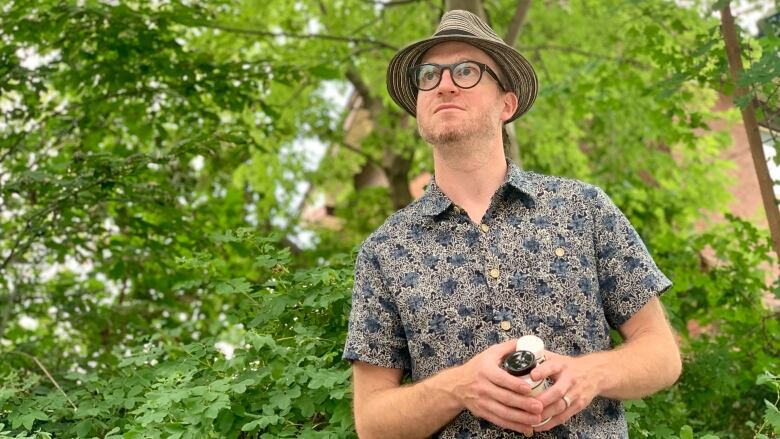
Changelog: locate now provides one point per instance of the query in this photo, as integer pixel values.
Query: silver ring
(567, 401)
(541, 423)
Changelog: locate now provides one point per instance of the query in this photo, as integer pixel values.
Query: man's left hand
(574, 378)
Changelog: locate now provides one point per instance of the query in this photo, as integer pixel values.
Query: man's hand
(490, 393)
(574, 378)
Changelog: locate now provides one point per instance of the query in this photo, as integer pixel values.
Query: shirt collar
(434, 201)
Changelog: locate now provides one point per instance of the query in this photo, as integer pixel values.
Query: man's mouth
(442, 107)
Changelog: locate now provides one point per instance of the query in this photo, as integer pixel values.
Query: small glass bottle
(529, 354)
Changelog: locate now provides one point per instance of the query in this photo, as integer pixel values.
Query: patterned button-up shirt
(552, 257)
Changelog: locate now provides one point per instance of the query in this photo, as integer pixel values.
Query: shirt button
(506, 325)
(484, 227)
(560, 252)
(456, 209)
(493, 273)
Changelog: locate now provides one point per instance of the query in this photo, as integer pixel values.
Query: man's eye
(466, 71)
(428, 75)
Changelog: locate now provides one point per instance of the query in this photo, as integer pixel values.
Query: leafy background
(159, 279)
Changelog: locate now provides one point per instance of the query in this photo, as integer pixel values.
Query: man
(490, 253)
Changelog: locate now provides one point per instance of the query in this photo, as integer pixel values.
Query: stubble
(457, 141)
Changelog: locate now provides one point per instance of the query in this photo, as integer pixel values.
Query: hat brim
(519, 75)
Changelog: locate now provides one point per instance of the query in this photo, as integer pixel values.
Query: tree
(751, 125)
(153, 279)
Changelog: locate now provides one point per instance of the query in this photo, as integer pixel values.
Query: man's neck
(470, 180)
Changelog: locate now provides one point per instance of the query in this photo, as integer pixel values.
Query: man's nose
(447, 85)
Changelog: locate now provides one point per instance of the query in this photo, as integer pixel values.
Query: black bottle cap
(519, 363)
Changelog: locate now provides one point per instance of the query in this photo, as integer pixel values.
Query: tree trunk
(511, 36)
(396, 169)
(517, 22)
(733, 53)
(473, 6)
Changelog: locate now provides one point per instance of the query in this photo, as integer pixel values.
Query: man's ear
(510, 106)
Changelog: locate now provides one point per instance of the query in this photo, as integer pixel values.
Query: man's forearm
(645, 365)
(411, 411)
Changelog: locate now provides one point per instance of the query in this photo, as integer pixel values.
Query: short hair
(505, 140)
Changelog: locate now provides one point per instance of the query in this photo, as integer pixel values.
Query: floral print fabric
(552, 257)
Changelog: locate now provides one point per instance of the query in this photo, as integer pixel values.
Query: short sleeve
(628, 276)
(376, 334)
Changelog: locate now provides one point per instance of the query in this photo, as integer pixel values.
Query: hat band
(452, 32)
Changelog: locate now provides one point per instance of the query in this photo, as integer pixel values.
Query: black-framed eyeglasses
(465, 74)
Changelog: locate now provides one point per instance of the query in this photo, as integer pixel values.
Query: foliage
(771, 423)
(156, 279)
(284, 378)
(739, 342)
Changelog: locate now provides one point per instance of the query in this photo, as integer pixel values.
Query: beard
(458, 137)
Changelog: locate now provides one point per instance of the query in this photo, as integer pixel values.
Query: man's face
(449, 114)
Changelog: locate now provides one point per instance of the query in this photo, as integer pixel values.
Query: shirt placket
(495, 272)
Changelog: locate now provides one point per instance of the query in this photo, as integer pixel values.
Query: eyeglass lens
(465, 75)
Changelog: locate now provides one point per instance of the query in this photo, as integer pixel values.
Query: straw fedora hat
(518, 75)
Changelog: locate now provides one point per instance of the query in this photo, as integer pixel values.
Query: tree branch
(770, 115)
(11, 149)
(48, 375)
(567, 49)
(517, 22)
(392, 2)
(32, 219)
(362, 153)
(240, 30)
(362, 89)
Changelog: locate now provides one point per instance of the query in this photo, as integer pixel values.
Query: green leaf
(767, 378)
(212, 412)
(241, 387)
(224, 421)
(233, 286)
(772, 415)
(188, 284)
(306, 406)
(262, 422)
(224, 237)
(269, 111)
(686, 432)
(83, 428)
(324, 71)
(280, 401)
(135, 390)
(221, 385)
(327, 378)
(720, 4)
(663, 430)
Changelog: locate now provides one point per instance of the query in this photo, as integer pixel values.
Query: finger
(551, 367)
(575, 407)
(514, 400)
(556, 420)
(554, 393)
(554, 409)
(504, 379)
(510, 415)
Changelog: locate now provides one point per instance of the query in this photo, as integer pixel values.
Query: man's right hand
(490, 393)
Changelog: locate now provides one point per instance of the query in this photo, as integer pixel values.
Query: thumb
(504, 348)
